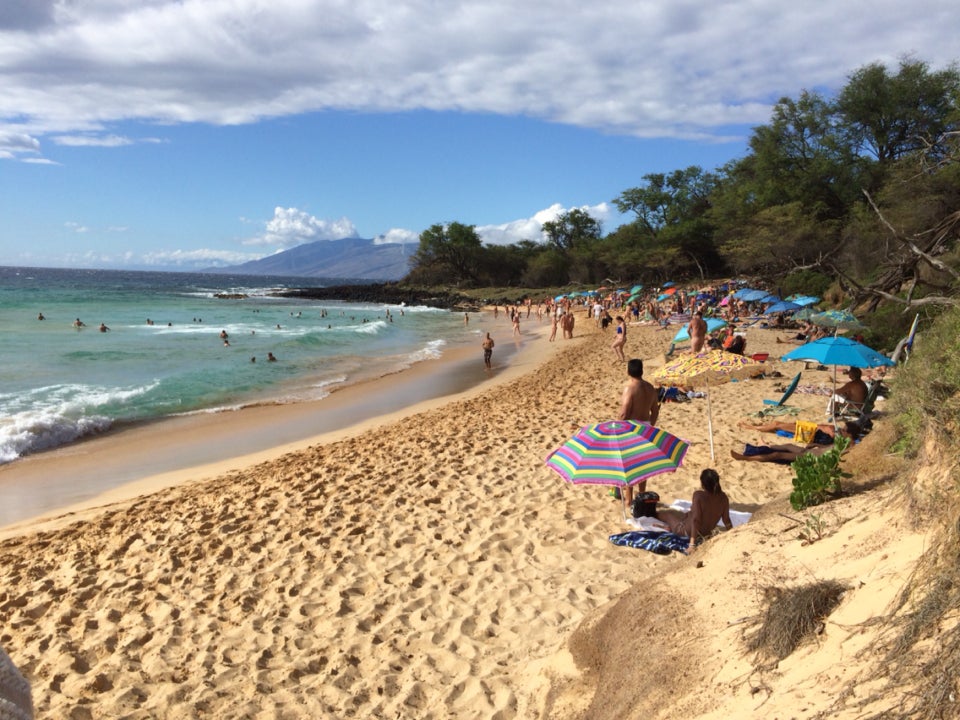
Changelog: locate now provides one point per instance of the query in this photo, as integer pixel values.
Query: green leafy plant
(817, 476)
(813, 530)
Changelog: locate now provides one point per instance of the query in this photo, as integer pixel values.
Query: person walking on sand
(697, 328)
(553, 326)
(516, 324)
(487, 346)
(640, 403)
(620, 340)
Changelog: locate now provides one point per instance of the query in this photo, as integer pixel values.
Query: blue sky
(189, 133)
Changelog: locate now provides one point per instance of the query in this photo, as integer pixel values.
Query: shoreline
(64, 483)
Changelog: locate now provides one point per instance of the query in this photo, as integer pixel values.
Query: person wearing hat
(853, 392)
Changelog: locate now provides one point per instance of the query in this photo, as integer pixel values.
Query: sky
(185, 134)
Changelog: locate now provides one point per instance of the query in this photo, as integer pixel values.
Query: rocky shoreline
(388, 293)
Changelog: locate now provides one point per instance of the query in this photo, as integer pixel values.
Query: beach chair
(858, 411)
(779, 407)
(786, 393)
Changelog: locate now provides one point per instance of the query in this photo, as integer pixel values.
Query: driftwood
(906, 258)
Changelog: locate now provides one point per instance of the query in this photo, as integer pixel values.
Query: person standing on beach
(553, 326)
(640, 403)
(698, 331)
(487, 345)
(620, 340)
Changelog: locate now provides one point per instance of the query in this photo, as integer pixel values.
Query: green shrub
(817, 476)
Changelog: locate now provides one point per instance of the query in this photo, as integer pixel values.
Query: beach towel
(736, 517)
(805, 432)
(661, 543)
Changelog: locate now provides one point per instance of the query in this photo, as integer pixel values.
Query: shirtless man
(708, 507)
(487, 346)
(854, 391)
(698, 331)
(639, 403)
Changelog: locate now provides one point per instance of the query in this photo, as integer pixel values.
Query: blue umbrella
(839, 351)
(712, 324)
(782, 306)
(804, 300)
(635, 289)
(754, 295)
(669, 284)
(663, 297)
(743, 291)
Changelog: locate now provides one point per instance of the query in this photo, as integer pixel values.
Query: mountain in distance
(348, 258)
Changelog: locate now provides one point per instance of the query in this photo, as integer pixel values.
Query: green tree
(574, 228)
(672, 220)
(889, 116)
(447, 253)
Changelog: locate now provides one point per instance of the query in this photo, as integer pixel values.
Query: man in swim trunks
(487, 346)
(855, 391)
(638, 402)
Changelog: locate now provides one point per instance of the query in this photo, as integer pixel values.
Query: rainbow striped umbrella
(617, 452)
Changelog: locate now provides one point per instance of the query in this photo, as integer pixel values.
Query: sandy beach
(426, 564)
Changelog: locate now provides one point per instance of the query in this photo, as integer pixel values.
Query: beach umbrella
(782, 306)
(705, 369)
(743, 291)
(756, 295)
(669, 290)
(664, 296)
(635, 289)
(839, 351)
(838, 319)
(669, 283)
(804, 300)
(804, 313)
(712, 324)
(620, 453)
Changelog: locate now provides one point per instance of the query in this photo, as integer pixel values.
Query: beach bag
(645, 505)
(805, 432)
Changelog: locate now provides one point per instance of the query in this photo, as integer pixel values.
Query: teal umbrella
(839, 319)
(712, 324)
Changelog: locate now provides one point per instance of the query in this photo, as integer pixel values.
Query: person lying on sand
(784, 454)
(709, 506)
(824, 435)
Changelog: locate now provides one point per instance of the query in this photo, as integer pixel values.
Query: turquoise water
(163, 354)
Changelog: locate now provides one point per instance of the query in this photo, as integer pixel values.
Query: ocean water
(163, 354)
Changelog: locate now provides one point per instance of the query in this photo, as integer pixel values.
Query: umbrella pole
(710, 425)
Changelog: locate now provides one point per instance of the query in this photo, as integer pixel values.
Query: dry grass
(794, 615)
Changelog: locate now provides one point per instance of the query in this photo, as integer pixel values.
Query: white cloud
(91, 140)
(76, 227)
(290, 227)
(532, 228)
(651, 69)
(193, 259)
(397, 235)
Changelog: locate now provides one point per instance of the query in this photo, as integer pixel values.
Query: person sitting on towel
(709, 506)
